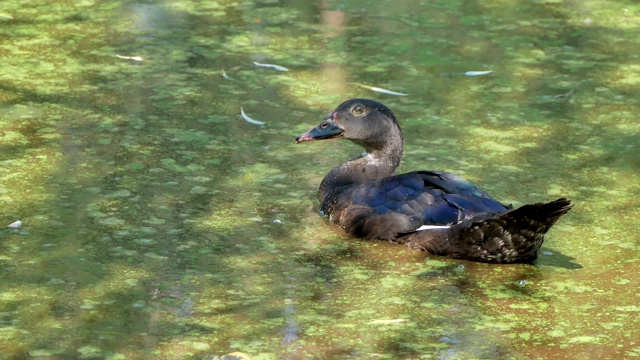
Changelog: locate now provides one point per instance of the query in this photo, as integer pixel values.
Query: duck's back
(389, 207)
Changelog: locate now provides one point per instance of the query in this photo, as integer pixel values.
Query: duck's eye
(324, 125)
(357, 110)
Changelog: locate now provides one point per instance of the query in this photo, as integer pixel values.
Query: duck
(433, 211)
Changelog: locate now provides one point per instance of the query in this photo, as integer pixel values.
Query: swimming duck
(434, 211)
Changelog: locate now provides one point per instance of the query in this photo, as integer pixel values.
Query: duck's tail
(512, 236)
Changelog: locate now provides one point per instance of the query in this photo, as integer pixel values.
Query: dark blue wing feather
(410, 200)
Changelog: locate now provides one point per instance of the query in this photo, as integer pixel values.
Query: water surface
(157, 223)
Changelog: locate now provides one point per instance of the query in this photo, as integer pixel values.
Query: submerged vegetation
(142, 217)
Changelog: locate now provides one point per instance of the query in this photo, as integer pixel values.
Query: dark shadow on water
(549, 257)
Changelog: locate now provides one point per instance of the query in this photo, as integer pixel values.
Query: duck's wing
(457, 198)
(384, 208)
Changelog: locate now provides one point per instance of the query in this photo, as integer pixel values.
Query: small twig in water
(559, 96)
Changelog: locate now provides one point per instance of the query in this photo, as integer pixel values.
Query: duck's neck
(377, 163)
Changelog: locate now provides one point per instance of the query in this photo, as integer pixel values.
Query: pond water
(157, 223)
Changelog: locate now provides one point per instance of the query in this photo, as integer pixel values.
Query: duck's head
(365, 122)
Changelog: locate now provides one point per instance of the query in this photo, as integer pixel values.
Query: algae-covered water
(149, 220)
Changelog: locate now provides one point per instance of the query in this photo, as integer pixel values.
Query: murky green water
(157, 223)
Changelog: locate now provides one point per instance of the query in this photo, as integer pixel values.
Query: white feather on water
(381, 90)
(134, 58)
(273, 66)
(477, 73)
(250, 120)
(15, 224)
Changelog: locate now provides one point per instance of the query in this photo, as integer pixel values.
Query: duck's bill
(330, 131)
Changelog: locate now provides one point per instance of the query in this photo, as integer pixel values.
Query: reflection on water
(156, 223)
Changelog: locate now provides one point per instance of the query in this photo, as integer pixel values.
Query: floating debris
(381, 90)
(134, 58)
(273, 66)
(559, 96)
(277, 222)
(250, 120)
(391, 321)
(15, 224)
(477, 73)
(6, 16)
(468, 73)
(227, 77)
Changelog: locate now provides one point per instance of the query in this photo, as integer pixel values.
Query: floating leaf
(381, 90)
(250, 120)
(134, 58)
(273, 66)
(477, 73)
(468, 73)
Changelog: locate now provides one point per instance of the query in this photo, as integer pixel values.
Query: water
(157, 223)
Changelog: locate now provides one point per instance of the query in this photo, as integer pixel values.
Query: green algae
(149, 205)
